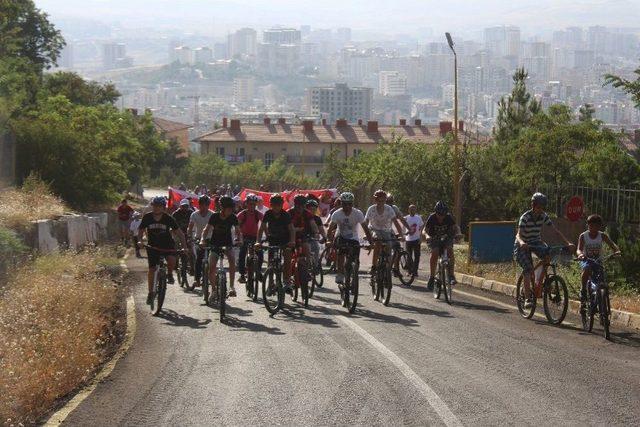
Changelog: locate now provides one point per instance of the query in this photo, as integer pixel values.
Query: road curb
(61, 414)
(618, 317)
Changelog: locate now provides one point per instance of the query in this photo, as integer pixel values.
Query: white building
(114, 55)
(202, 55)
(278, 59)
(392, 83)
(184, 55)
(243, 91)
(282, 36)
(340, 102)
(243, 43)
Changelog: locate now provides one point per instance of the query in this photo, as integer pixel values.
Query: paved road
(418, 361)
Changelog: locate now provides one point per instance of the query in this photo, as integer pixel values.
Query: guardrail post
(618, 204)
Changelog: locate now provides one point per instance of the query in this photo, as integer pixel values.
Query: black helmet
(204, 200)
(159, 201)
(299, 200)
(277, 200)
(441, 208)
(226, 202)
(539, 199)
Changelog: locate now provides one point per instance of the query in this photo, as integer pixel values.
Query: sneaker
(453, 281)
(430, 284)
(528, 303)
(170, 279)
(232, 293)
(242, 279)
(340, 279)
(150, 297)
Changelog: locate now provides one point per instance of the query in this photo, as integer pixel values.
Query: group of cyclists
(299, 229)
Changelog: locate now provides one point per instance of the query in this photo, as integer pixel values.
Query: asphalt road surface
(416, 362)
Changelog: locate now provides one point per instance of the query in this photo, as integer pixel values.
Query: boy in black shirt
(440, 225)
(161, 230)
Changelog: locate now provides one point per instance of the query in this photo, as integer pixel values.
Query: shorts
(524, 259)
(434, 243)
(384, 235)
(153, 256)
(278, 241)
(341, 242)
(217, 249)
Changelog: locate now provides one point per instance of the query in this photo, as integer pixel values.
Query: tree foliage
(78, 90)
(516, 110)
(631, 87)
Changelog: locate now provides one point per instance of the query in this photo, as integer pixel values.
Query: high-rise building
(392, 83)
(282, 36)
(113, 55)
(340, 102)
(184, 55)
(243, 91)
(343, 35)
(278, 59)
(202, 55)
(243, 43)
(502, 41)
(220, 51)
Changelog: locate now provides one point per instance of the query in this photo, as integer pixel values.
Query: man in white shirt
(133, 231)
(197, 222)
(380, 218)
(414, 233)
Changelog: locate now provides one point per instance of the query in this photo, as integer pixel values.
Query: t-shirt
(347, 224)
(249, 221)
(221, 234)
(278, 226)
(530, 226)
(262, 209)
(135, 224)
(199, 223)
(380, 221)
(124, 212)
(159, 231)
(437, 229)
(182, 217)
(415, 225)
(397, 210)
(592, 248)
(302, 220)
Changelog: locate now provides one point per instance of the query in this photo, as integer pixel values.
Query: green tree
(516, 110)
(78, 90)
(631, 87)
(586, 113)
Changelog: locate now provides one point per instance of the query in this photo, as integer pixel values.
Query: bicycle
(349, 291)
(300, 275)
(315, 272)
(381, 282)
(183, 266)
(328, 258)
(219, 297)
(405, 272)
(551, 287)
(442, 282)
(597, 300)
(272, 287)
(160, 279)
(253, 266)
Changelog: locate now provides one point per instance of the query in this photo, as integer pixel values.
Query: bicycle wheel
(556, 299)
(438, 282)
(222, 295)
(179, 271)
(328, 261)
(525, 312)
(380, 277)
(190, 285)
(270, 292)
(256, 279)
(353, 290)
(605, 311)
(344, 289)
(406, 269)
(446, 286)
(184, 272)
(319, 274)
(387, 288)
(205, 281)
(160, 294)
(249, 283)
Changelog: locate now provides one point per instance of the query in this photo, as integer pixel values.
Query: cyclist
(590, 248)
(312, 206)
(260, 207)
(381, 218)
(182, 215)
(337, 204)
(280, 232)
(303, 225)
(414, 235)
(529, 239)
(248, 220)
(221, 225)
(197, 223)
(440, 224)
(345, 220)
(162, 230)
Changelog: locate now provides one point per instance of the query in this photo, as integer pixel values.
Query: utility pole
(456, 143)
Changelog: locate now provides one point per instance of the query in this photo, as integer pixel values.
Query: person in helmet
(381, 218)
(400, 232)
(414, 236)
(304, 227)
(346, 221)
(182, 215)
(161, 230)
(314, 244)
(248, 219)
(198, 221)
(277, 226)
(337, 204)
(221, 225)
(440, 230)
(529, 240)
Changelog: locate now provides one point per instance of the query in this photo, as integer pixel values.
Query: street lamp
(456, 156)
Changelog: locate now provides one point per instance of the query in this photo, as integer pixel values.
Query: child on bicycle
(529, 239)
(590, 249)
(440, 224)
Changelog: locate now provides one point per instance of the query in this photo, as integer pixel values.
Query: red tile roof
(165, 125)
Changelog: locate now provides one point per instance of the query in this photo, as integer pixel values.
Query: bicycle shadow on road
(481, 307)
(301, 314)
(421, 310)
(175, 319)
(241, 325)
(627, 339)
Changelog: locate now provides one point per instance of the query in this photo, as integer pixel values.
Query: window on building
(357, 152)
(317, 174)
(240, 151)
(220, 151)
(268, 159)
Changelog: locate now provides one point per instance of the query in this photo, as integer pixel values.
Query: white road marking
(432, 398)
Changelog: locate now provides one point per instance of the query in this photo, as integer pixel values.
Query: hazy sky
(404, 16)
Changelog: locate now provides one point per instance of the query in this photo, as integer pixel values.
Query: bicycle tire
(256, 279)
(222, 295)
(387, 288)
(438, 282)
(329, 264)
(379, 283)
(205, 281)
(269, 290)
(520, 299)
(605, 312)
(312, 285)
(179, 272)
(406, 269)
(352, 302)
(446, 286)
(344, 294)
(190, 285)
(320, 273)
(184, 272)
(160, 294)
(555, 295)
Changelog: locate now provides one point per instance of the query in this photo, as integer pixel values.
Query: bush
(32, 202)
(11, 248)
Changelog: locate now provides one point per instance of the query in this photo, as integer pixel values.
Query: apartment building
(392, 83)
(340, 102)
(307, 145)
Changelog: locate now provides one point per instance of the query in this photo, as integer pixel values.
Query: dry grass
(21, 206)
(57, 321)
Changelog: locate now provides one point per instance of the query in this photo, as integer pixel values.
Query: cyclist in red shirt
(248, 220)
(303, 224)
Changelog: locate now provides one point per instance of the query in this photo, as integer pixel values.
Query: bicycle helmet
(299, 200)
(159, 201)
(539, 199)
(251, 198)
(380, 193)
(277, 200)
(226, 202)
(347, 197)
(312, 202)
(441, 208)
(204, 200)
(185, 202)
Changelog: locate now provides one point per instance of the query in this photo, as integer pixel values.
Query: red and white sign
(575, 208)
